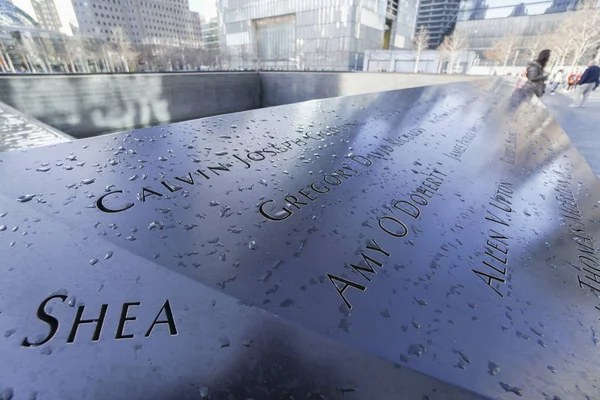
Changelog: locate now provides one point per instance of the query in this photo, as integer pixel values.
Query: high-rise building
(472, 10)
(439, 17)
(211, 41)
(144, 22)
(46, 14)
(11, 15)
(561, 6)
(519, 10)
(210, 33)
(311, 34)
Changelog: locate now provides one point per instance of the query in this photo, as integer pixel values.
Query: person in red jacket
(571, 80)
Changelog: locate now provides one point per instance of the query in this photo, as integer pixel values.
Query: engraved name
(462, 145)
(163, 317)
(174, 185)
(311, 193)
(373, 254)
(510, 148)
(588, 261)
(492, 270)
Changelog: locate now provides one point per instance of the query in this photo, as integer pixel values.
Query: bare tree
(581, 28)
(561, 41)
(125, 50)
(503, 49)
(452, 46)
(76, 53)
(534, 46)
(245, 55)
(420, 43)
(5, 57)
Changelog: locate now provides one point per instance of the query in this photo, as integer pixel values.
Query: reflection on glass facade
(276, 41)
(490, 9)
(311, 34)
(10, 15)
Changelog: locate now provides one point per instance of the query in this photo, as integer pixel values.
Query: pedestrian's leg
(587, 90)
(576, 101)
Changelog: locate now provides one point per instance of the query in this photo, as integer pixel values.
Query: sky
(206, 8)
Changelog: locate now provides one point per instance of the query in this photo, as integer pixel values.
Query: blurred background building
(439, 17)
(211, 38)
(505, 38)
(102, 36)
(153, 22)
(562, 6)
(311, 34)
(47, 15)
(404, 61)
(11, 15)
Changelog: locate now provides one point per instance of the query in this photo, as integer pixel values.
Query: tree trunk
(111, 66)
(9, 60)
(561, 63)
(29, 64)
(575, 61)
(43, 65)
(417, 58)
(579, 51)
(5, 66)
(84, 65)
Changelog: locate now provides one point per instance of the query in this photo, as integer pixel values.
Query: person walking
(535, 73)
(589, 81)
(556, 80)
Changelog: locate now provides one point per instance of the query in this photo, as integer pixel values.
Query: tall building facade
(483, 34)
(211, 39)
(311, 34)
(210, 33)
(519, 10)
(46, 14)
(562, 6)
(140, 22)
(439, 17)
(472, 9)
(11, 15)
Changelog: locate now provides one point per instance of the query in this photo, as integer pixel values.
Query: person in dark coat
(535, 73)
(589, 81)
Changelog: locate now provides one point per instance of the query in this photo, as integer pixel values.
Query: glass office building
(438, 17)
(312, 34)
